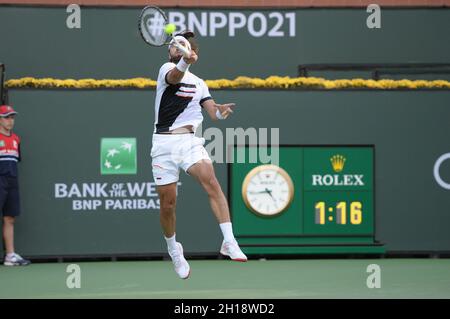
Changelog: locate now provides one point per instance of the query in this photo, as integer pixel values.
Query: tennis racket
(152, 22)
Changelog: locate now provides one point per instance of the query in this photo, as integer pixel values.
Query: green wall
(61, 132)
(61, 129)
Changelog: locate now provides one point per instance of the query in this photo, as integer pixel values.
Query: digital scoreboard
(307, 199)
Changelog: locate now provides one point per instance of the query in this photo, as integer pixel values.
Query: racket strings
(153, 24)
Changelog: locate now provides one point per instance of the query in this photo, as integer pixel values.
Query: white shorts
(170, 152)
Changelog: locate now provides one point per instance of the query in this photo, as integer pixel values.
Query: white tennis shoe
(180, 263)
(232, 250)
(15, 260)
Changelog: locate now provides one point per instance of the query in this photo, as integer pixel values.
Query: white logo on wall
(86, 197)
(257, 24)
(436, 169)
(112, 196)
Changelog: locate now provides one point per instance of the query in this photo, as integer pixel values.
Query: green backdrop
(62, 130)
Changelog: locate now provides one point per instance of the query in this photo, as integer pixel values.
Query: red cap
(6, 110)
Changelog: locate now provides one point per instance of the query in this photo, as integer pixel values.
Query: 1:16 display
(341, 210)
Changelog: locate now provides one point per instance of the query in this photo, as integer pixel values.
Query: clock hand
(263, 192)
(270, 193)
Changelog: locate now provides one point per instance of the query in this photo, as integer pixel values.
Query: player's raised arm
(175, 75)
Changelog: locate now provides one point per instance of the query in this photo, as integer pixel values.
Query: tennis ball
(169, 28)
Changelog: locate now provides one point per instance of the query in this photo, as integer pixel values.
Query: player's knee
(168, 204)
(211, 185)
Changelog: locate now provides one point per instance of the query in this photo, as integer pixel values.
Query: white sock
(227, 231)
(10, 255)
(171, 243)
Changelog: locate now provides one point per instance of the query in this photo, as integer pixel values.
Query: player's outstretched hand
(226, 109)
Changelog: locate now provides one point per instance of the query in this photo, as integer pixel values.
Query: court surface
(325, 278)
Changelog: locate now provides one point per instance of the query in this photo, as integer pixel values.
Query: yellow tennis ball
(169, 28)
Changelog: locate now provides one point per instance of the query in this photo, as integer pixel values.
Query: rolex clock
(267, 190)
(332, 209)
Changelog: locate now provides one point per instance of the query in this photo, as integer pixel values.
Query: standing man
(180, 97)
(9, 187)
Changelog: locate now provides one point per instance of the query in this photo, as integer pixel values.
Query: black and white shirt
(180, 104)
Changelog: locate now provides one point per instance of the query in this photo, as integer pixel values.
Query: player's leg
(166, 174)
(167, 201)
(203, 172)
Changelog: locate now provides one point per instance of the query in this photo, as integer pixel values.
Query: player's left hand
(226, 109)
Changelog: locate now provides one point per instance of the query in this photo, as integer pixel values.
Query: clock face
(267, 190)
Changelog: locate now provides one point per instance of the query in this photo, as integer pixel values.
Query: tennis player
(9, 188)
(180, 97)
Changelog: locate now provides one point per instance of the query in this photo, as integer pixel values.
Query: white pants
(170, 152)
